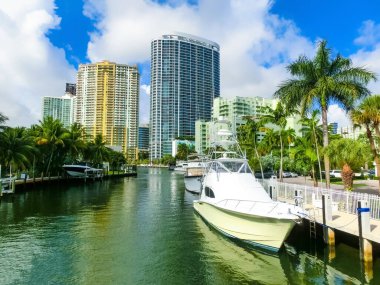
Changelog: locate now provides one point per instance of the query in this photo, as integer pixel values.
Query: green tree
(96, 151)
(313, 132)
(247, 136)
(304, 152)
(348, 154)
(3, 119)
(17, 148)
(74, 142)
(320, 82)
(51, 134)
(184, 150)
(278, 117)
(368, 115)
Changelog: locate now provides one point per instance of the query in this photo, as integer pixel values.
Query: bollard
(328, 233)
(270, 192)
(365, 245)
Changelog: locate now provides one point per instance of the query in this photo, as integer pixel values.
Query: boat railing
(343, 201)
(247, 205)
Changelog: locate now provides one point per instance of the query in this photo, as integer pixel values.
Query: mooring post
(273, 188)
(328, 233)
(365, 245)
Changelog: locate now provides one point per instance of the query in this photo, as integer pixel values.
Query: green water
(144, 231)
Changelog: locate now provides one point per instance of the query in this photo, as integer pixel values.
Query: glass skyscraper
(185, 79)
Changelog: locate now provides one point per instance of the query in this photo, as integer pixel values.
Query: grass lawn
(356, 185)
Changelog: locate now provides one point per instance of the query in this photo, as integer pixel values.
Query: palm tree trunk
(51, 157)
(314, 178)
(261, 166)
(317, 151)
(325, 144)
(347, 177)
(374, 151)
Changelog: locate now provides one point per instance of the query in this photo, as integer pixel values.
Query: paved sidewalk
(370, 187)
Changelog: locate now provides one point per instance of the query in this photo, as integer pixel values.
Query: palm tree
(367, 114)
(248, 136)
(348, 154)
(304, 151)
(278, 117)
(17, 148)
(52, 134)
(312, 131)
(96, 150)
(74, 141)
(321, 81)
(3, 119)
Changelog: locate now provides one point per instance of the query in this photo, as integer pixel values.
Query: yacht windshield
(236, 166)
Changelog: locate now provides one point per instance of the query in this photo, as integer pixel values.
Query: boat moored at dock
(236, 204)
(82, 171)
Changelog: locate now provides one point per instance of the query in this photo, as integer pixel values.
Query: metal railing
(345, 201)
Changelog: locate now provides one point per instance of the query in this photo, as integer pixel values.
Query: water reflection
(144, 231)
(225, 258)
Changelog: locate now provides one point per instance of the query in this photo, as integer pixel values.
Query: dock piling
(328, 233)
(365, 246)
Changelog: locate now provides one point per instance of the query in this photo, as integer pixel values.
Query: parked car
(293, 174)
(336, 173)
(267, 174)
(286, 175)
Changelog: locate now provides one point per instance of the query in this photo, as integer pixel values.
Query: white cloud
(255, 45)
(371, 61)
(369, 34)
(335, 114)
(31, 67)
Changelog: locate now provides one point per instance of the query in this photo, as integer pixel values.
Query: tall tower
(61, 108)
(107, 103)
(185, 79)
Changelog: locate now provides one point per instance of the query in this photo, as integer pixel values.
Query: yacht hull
(265, 232)
(193, 183)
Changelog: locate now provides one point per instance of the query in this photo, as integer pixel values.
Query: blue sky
(257, 39)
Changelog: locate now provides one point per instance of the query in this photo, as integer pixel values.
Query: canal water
(144, 231)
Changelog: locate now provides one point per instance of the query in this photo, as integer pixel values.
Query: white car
(336, 173)
(293, 174)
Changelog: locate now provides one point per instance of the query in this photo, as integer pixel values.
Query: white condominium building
(61, 108)
(107, 103)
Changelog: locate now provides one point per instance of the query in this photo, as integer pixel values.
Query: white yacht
(236, 204)
(79, 170)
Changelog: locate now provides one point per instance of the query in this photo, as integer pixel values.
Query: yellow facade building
(107, 103)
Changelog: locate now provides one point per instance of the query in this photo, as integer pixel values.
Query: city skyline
(257, 40)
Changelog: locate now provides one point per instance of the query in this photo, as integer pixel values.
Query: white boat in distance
(78, 170)
(194, 172)
(236, 204)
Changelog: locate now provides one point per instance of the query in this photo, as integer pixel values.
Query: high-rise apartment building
(334, 127)
(144, 137)
(107, 103)
(185, 79)
(71, 88)
(61, 108)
